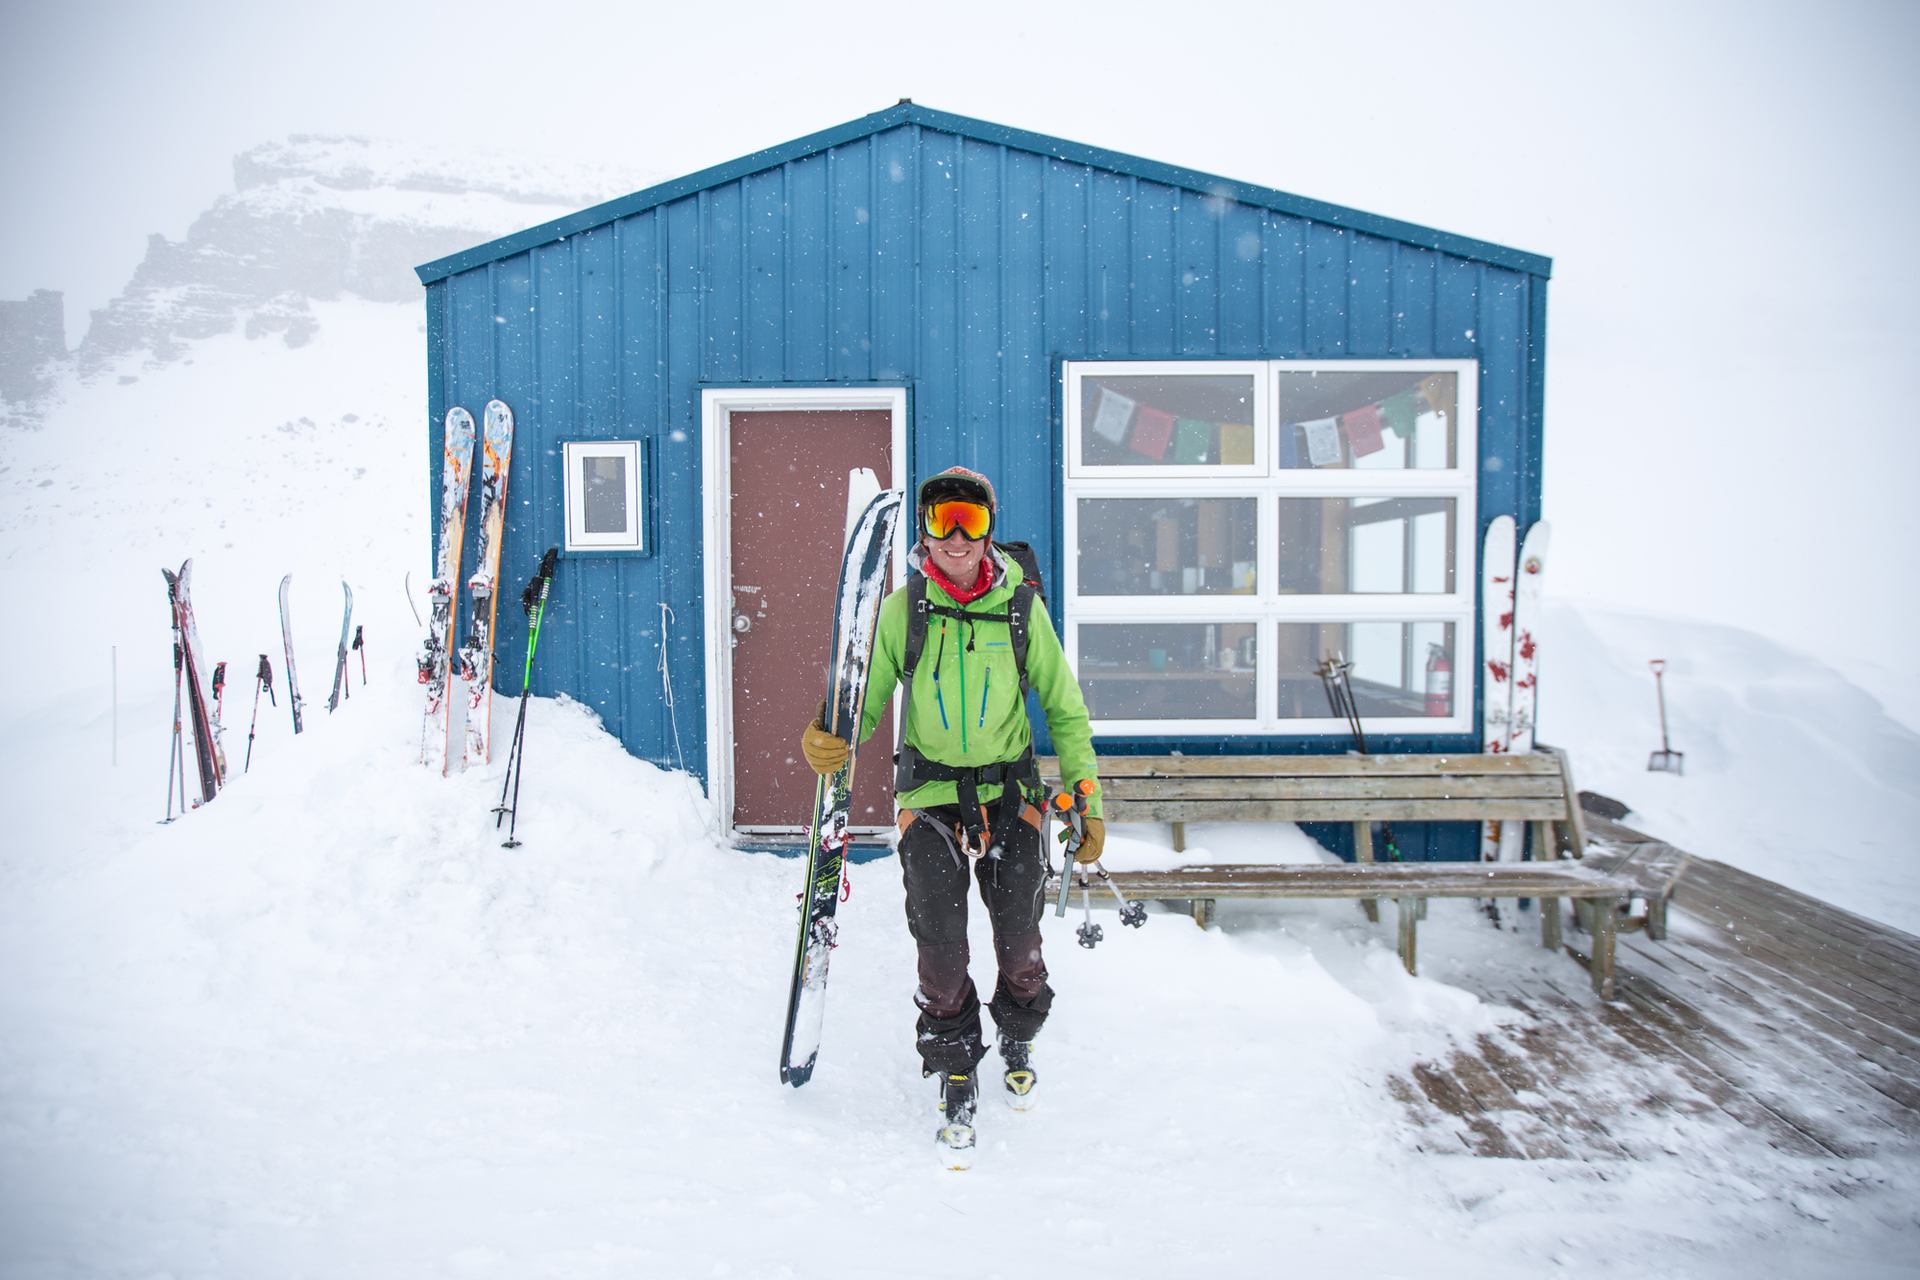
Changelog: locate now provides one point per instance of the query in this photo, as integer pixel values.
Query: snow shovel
(1666, 759)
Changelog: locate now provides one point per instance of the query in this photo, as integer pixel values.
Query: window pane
(1399, 668)
(1366, 546)
(604, 492)
(1367, 421)
(1167, 419)
(1162, 671)
(1168, 546)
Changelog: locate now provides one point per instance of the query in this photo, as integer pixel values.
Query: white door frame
(717, 405)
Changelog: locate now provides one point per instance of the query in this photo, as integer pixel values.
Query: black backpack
(1018, 613)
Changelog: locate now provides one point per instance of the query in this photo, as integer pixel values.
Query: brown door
(789, 516)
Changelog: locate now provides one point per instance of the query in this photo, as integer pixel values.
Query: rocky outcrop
(310, 219)
(33, 343)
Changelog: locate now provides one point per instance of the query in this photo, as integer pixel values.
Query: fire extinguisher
(1439, 681)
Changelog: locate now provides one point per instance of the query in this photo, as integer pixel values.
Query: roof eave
(983, 131)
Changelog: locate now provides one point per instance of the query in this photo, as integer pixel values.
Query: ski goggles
(972, 519)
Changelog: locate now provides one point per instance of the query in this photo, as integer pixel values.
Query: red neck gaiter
(967, 595)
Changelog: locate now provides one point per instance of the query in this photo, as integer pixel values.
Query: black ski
(201, 711)
(863, 576)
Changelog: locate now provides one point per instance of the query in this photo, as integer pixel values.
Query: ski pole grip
(1071, 807)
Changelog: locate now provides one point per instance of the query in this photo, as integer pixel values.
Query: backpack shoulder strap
(916, 626)
(1019, 612)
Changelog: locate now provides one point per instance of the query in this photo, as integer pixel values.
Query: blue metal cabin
(967, 268)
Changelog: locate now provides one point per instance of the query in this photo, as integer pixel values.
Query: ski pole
(360, 644)
(1133, 914)
(262, 679)
(174, 753)
(534, 601)
(1072, 808)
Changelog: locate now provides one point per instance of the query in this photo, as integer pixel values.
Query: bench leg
(1409, 914)
(1605, 912)
(1363, 854)
(1550, 923)
(1657, 919)
(1179, 837)
(1545, 848)
(1202, 909)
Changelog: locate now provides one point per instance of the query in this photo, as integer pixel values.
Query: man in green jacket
(966, 788)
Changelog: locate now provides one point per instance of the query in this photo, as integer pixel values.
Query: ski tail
(207, 755)
(476, 656)
(1530, 569)
(339, 693)
(437, 651)
(1496, 653)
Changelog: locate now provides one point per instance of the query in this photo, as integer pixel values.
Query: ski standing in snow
(862, 582)
(286, 643)
(435, 654)
(1496, 650)
(1526, 666)
(476, 656)
(340, 690)
(967, 789)
(202, 712)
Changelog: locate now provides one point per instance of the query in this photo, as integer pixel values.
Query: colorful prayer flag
(1111, 416)
(1437, 389)
(1152, 431)
(1236, 444)
(1193, 442)
(1289, 459)
(1362, 429)
(1399, 411)
(1323, 441)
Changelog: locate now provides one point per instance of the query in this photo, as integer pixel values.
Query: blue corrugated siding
(962, 268)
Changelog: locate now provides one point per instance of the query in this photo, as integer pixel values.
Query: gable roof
(909, 113)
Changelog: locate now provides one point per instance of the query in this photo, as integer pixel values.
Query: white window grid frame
(1267, 609)
(632, 539)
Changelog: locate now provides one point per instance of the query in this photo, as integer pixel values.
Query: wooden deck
(1763, 1009)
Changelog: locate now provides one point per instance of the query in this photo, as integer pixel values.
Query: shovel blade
(1667, 762)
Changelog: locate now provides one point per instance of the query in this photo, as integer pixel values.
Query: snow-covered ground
(327, 1026)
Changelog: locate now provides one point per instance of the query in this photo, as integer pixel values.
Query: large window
(1231, 524)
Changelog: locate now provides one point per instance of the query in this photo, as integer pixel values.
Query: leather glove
(825, 752)
(1089, 850)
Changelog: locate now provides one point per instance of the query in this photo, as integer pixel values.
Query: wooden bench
(1534, 788)
(1653, 866)
(1597, 895)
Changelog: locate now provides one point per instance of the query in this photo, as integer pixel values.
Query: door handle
(742, 624)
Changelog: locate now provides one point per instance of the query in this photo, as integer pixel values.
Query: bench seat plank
(1537, 764)
(1118, 809)
(1440, 787)
(1378, 880)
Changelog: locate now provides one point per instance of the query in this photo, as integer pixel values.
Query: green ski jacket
(965, 706)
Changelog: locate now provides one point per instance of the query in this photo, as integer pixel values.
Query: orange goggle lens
(971, 518)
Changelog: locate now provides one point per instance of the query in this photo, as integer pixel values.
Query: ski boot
(1020, 1078)
(959, 1094)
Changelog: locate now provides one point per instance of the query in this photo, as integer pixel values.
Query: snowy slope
(327, 1026)
(1792, 772)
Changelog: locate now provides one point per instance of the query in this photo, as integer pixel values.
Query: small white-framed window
(606, 486)
(1315, 508)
